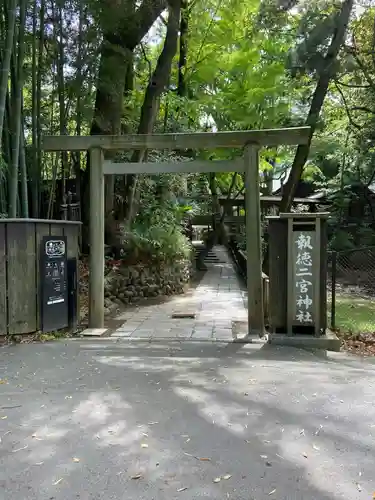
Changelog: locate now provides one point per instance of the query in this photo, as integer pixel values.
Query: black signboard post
(54, 282)
(72, 293)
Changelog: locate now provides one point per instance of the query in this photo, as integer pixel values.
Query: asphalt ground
(112, 419)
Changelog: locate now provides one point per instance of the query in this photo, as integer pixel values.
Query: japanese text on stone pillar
(304, 283)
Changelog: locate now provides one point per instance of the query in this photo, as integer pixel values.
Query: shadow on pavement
(84, 417)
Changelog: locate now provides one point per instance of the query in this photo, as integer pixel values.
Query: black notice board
(54, 283)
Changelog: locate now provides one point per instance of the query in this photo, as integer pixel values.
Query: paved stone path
(218, 303)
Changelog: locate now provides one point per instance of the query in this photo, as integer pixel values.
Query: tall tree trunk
(59, 41)
(156, 86)
(5, 151)
(37, 108)
(6, 58)
(216, 209)
(17, 114)
(182, 89)
(7, 130)
(23, 170)
(326, 75)
(126, 129)
(79, 114)
(129, 87)
(34, 145)
(120, 37)
(160, 77)
(182, 61)
(51, 197)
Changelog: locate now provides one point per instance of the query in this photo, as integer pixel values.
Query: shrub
(157, 234)
(157, 243)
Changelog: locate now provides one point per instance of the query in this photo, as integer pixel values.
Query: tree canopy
(109, 67)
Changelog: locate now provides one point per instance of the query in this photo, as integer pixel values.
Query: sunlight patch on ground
(213, 411)
(98, 408)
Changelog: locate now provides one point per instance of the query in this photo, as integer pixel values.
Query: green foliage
(157, 232)
(235, 66)
(161, 243)
(341, 240)
(249, 65)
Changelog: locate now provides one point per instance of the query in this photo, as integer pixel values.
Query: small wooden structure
(304, 189)
(298, 273)
(359, 206)
(208, 220)
(20, 286)
(250, 141)
(268, 202)
(232, 207)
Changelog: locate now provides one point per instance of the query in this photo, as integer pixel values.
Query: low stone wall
(130, 284)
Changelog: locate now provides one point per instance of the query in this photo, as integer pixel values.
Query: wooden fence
(20, 287)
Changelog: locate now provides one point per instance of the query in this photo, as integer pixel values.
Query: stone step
(211, 257)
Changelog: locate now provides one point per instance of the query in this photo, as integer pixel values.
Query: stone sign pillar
(298, 273)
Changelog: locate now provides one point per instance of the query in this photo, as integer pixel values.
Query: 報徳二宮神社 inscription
(303, 242)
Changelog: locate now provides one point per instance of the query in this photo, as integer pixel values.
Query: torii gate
(250, 140)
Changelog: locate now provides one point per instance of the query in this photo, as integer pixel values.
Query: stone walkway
(217, 305)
